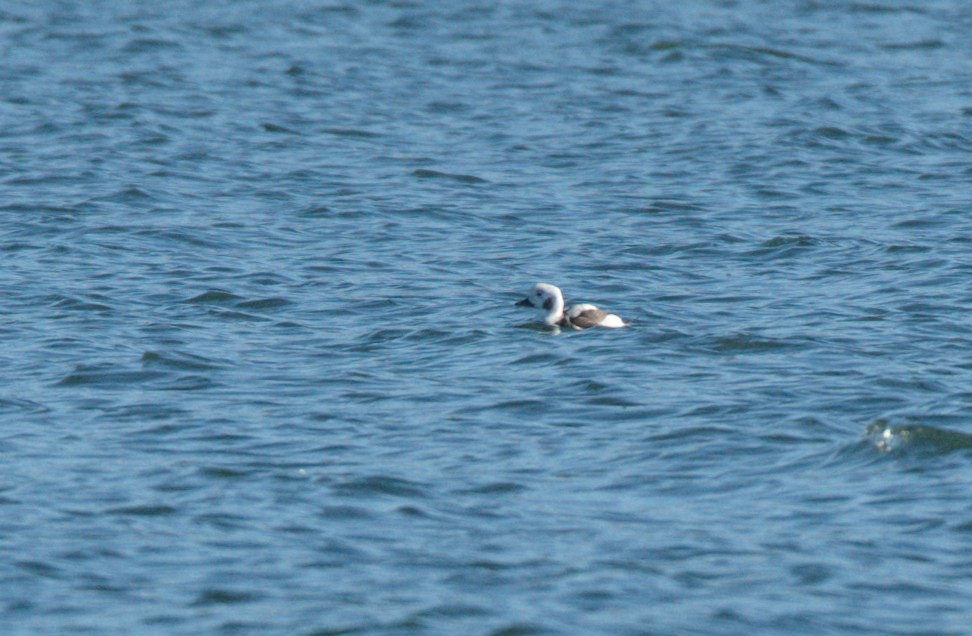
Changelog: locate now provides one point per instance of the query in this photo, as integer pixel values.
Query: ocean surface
(261, 370)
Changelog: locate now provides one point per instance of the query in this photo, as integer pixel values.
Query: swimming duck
(550, 300)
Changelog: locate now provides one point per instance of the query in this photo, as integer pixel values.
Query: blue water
(261, 372)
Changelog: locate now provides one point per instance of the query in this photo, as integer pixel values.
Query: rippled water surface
(262, 372)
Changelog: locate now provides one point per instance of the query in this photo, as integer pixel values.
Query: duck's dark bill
(524, 303)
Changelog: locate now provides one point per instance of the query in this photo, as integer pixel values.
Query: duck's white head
(548, 299)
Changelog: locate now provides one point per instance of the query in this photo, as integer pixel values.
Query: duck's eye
(539, 293)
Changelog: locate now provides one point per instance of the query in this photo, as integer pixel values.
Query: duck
(549, 300)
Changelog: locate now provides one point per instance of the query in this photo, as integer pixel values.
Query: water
(262, 373)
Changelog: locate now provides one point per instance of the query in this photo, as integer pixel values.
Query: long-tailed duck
(549, 300)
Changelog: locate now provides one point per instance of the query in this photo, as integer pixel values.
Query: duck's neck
(556, 312)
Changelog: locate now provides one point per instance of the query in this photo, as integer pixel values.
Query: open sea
(261, 372)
